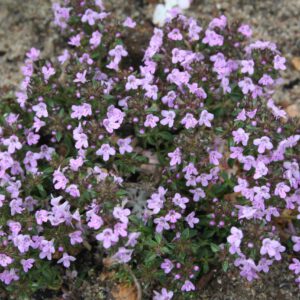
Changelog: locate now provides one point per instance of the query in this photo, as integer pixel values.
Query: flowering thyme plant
(190, 122)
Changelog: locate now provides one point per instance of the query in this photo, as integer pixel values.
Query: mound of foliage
(167, 159)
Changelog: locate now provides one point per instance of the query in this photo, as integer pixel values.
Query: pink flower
(123, 255)
(295, 266)
(175, 35)
(272, 247)
(240, 136)
(13, 144)
(27, 264)
(41, 110)
(175, 157)
(189, 121)
(121, 214)
(114, 119)
(172, 216)
(214, 157)
(48, 71)
(167, 266)
(106, 151)
(151, 121)
(180, 201)
(164, 295)
(296, 241)
(279, 62)
(247, 66)
(205, 118)
(246, 85)
(79, 111)
(80, 77)
(188, 286)
(245, 30)
(191, 220)
(129, 23)
(107, 237)
(66, 260)
(212, 38)
(75, 237)
(5, 260)
(73, 190)
(281, 190)
(260, 170)
(124, 145)
(161, 224)
(95, 40)
(263, 143)
(235, 239)
(169, 116)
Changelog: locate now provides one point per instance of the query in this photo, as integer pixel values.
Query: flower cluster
(192, 121)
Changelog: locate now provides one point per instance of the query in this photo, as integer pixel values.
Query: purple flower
(75, 237)
(260, 170)
(296, 240)
(212, 38)
(189, 121)
(247, 66)
(205, 118)
(175, 157)
(279, 62)
(245, 30)
(40, 110)
(129, 23)
(272, 247)
(172, 216)
(161, 224)
(80, 77)
(263, 143)
(27, 264)
(295, 266)
(246, 85)
(107, 237)
(235, 240)
(191, 220)
(169, 116)
(167, 266)
(188, 286)
(180, 201)
(240, 136)
(66, 260)
(121, 214)
(47, 249)
(106, 151)
(124, 145)
(12, 143)
(281, 189)
(214, 157)
(123, 255)
(264, 264)
(95, 40)
(5, 260)
(48, 71)
(151, 121)
(114, 119)
(164, 295)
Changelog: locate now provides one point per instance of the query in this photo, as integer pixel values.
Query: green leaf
(214, 248)
(225, 266)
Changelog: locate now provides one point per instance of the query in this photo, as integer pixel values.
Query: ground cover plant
(166, 162)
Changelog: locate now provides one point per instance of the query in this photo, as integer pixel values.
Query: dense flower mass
(191, 121)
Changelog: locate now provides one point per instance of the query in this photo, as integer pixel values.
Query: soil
(26, 24)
